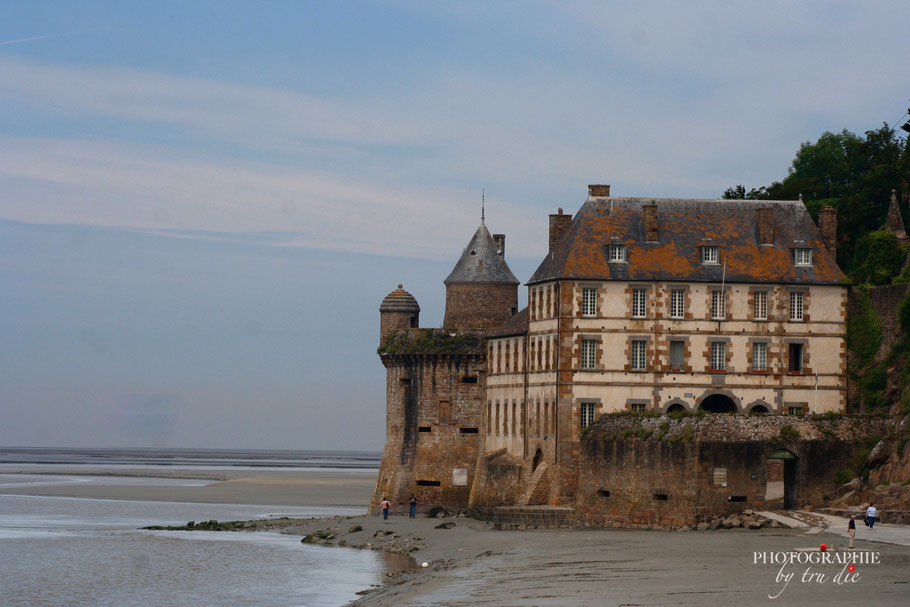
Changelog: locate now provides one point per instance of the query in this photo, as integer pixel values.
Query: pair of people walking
(385, 504)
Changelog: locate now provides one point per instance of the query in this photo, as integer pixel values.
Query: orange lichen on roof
(684, 228)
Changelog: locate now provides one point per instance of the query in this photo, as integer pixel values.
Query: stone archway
(759, 409)
(718, 403)
(538, 457)
(782, 478)
(676, 408)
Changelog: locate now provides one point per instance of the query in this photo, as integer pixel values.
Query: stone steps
(532, 517)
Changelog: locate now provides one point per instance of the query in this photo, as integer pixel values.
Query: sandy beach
(470, 563)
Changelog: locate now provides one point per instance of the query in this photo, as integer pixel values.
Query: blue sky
(202, 204)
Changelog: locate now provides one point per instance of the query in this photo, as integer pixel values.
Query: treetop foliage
(855, 175)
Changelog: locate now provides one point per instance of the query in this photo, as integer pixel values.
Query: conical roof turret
(482, 261)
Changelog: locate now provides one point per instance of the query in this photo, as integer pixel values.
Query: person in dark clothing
(413, 501)
(851, 530)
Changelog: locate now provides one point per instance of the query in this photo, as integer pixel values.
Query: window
(639, 303)
(761, 305)
(677, 355)
(795, 410)
(637, 407)
(718, 305)
(639, 352)
(710, 255)
(718, 356)
(796, 358)
(760, 357)
(589, 301)
(617, 252)
(677, 303)
(802, 257)
(587, 414)
(796, 306)
(588, 353)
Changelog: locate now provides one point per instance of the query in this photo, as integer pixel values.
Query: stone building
(640, 305)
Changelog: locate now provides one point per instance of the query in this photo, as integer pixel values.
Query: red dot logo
(851, 568)
(823, 547)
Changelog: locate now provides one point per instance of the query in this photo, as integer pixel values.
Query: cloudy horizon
(201, 206)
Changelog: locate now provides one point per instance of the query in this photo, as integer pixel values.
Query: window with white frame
(796, 306)
(710, 254)
(589, 301)
(677, 355)
(637, 407)
(718, 305)
(677, 303)
(617, 252)
(760, 356)
(587, 414)
(639, 354)
(588, 353)
(802, 257)
(718, 356)
(639, 303)
(760, 311)
(795, 410)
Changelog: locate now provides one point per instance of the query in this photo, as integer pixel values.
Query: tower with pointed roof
(894, 222)
(481, 291)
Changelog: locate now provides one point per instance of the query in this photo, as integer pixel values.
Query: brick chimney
(764, 221)
(559, 223)
(649, 220)
(500, 240)
(596, 190)
(827, 225)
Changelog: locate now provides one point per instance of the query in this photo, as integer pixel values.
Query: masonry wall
(479, 306)
(665, 472)
(433, 430)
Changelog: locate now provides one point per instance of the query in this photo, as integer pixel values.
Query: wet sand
(472, 564)
(324, 488)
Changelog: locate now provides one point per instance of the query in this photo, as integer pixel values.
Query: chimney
(649, 219)
(559, 223)
(596, 190)
(764, 221)
(500, 240)
(827, 225)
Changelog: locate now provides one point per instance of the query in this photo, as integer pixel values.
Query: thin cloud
(45, 37)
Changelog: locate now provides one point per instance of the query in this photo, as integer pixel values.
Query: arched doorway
(538, 457)
(675, 408)
(758, 410)
(782, 478)
(718, 403)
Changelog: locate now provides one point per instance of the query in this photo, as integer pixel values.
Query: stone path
(815, 522)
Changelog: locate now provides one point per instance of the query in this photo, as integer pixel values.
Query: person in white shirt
(871, 515)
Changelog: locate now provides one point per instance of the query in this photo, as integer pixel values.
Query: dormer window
(617, 253)
(710, 254)
(802, 257)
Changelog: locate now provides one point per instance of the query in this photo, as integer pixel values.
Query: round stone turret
(399, 310)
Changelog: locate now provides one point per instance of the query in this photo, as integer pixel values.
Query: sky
(202, 204)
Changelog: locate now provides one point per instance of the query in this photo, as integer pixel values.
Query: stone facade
(479, 306)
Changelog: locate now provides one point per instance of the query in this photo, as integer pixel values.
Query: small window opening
(425, 429)
(736, 498)
(469, 380)
(603, 493)
(661, 497)
(424, 483)
(404, 380)
(468, 430)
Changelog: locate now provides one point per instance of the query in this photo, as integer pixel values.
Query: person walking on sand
(851, 530)
(413, 511)
(385, 504)
(871, 515)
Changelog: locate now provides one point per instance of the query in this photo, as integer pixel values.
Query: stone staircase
(528, 496)
(533, 517)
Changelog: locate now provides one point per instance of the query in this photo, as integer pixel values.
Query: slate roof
(481, 261)
(517, 325)
(684, 226)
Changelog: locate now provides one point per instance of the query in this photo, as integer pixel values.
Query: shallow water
(74, 551)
